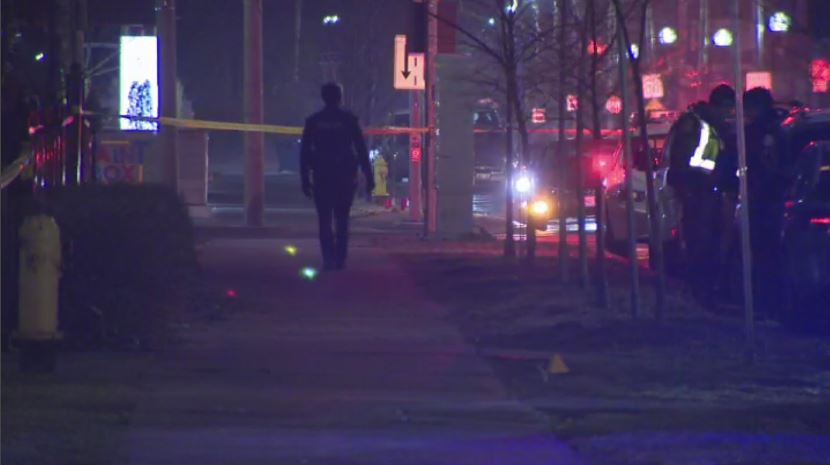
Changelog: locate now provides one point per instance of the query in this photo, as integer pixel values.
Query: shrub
(129, 262)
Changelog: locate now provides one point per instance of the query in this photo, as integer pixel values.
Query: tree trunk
(654, 214)
(599, 188)
(509, 241)
(580, 179)
(627, 156)
(561, 154)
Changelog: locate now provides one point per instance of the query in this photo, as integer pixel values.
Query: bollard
(40, 270)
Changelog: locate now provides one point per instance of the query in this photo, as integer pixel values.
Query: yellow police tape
(266, 128)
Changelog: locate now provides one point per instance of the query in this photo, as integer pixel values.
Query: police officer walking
(332, 150)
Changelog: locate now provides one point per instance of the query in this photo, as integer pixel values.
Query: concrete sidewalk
(356, 367)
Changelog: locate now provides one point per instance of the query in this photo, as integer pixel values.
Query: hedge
(129, 263)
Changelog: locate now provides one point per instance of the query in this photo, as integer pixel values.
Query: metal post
(166, 24)
(746, 253)
(629, 188)
(253, 94)
(431, 220)
(760, 28)
(703, 60)
(415, 163)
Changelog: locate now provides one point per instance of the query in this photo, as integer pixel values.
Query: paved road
(350, 368)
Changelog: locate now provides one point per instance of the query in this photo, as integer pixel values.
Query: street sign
(759, 79)
(538, 116)
(613, 105)
(573, 103)
(408, 68)
(652, 86)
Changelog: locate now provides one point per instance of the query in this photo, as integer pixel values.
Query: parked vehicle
(615, 194)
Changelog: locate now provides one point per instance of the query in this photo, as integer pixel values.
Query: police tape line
(265, 128)
(298, 130)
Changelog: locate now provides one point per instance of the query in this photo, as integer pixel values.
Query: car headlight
(540, 207)
(523, 184)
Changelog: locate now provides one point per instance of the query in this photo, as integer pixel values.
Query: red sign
(415, 154)
(652, 86)
(613, 105)
(820, 75)
(759, 79)
(538, 116)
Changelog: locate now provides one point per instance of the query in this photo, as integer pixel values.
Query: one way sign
(409, 68)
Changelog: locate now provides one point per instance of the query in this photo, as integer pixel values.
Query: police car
(617, 215)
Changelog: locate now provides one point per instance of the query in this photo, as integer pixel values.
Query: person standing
(766, 183)
(331, 152)
(700, 143)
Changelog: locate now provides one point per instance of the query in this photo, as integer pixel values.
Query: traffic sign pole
(415, 151)
(431, 220)
(746, 252)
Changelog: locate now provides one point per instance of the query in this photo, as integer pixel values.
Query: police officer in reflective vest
(700, 140)
(332, 150)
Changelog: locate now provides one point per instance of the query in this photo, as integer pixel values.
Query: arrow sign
(409, 68)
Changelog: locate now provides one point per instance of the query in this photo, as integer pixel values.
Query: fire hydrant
(40, 272)
(381, 172)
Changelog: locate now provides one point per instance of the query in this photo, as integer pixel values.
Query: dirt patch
(689, 372)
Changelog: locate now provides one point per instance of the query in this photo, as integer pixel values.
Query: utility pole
(166, 25)
(703, 58)
(431, 197)
(746, 253)
(415, 155)
(298, 25)
(253, 95)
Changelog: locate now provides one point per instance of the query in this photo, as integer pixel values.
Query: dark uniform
(696, 141)
(332, 151)
(766, 183)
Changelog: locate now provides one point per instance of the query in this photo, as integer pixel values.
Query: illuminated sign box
(759, 79)
(138, 89)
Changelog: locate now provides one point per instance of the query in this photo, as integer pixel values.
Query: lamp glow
(780, 22)
(667, 36)
(723, 38)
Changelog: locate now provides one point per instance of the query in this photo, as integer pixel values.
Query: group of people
(704, 173)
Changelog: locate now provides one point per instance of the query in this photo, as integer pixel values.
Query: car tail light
(602, 164)
(824, 220)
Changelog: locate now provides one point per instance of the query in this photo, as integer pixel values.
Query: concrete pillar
(455, 163)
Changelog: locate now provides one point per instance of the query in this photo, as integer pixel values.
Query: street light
(780, 22)
(722, 38)
(491, 22)
(635, 51)
(667, 35)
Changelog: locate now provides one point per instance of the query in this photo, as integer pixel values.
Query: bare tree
(655, 216)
